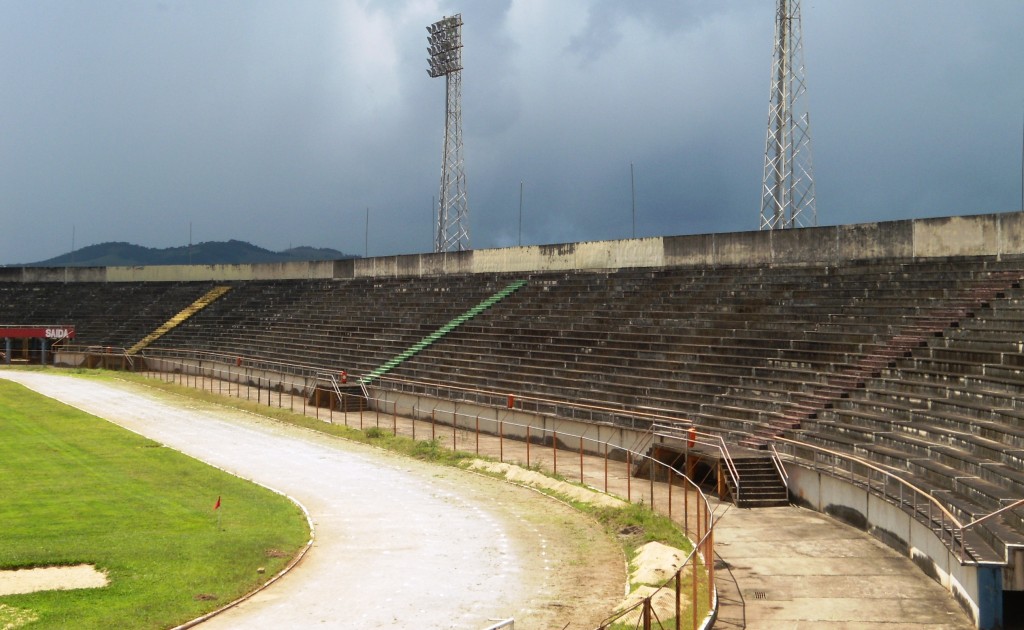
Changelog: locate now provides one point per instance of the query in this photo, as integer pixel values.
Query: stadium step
(208, 298)
(760, 483)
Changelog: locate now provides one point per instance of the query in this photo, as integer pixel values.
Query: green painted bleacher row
(441, 332)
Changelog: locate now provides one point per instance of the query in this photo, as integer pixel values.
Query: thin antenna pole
(1022, 161)
(632, 188)
(366, 236)
(190, 242)
(72, 245)
(520, 213)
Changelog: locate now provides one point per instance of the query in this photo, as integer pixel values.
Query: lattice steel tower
(787, 193)
(445, 39)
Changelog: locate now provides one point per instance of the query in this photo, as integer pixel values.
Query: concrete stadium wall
(994, 235)
(977, 588)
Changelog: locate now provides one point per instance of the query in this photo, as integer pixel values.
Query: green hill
(209, 253)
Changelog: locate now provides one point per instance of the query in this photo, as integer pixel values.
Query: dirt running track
(399, 543)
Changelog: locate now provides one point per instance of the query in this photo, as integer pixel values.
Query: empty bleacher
(913, 364)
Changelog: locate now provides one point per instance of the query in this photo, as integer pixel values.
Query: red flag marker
(217, 506)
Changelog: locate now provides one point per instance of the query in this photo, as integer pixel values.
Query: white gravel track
(399, 543)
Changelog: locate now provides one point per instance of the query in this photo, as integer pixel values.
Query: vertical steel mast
(787, 192)
(445, 39)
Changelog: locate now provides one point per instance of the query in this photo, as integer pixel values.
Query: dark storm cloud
(282, 123)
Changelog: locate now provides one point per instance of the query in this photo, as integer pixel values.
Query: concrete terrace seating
(914, 364)
(108, 314)
(948, 418)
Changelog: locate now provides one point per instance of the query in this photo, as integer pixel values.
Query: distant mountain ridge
(120, 254)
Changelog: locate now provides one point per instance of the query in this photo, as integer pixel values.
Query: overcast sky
(280, 123)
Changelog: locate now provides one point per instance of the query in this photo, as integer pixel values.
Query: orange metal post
(581, 459)
(554, 451)
(693, 599)
(629, 476)
(670, 494)
(606, 467)
(527, 446)
(650, 473)
(709, 556)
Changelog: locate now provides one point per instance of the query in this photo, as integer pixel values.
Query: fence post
(527, 446)
(478, 434)
(650, 473)
(693, 598)
(433, 424)
(501, 441)
(606, 467)
(709, 558)
(629, 476)
(686, 507)
(581, 459)
(554, 452)
(455, 423)
(679, 589)
(670, 473)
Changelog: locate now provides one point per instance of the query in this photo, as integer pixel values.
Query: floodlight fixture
(445, 46)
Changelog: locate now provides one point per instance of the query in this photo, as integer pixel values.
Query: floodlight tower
(445, 39)
(787, 192)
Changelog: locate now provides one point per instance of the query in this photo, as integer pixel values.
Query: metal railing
(890, 487)
(702, 438)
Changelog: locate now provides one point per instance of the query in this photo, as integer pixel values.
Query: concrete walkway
(797, 569)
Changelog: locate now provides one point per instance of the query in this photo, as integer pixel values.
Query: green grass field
(76, 489)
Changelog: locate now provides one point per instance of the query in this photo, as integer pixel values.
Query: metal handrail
(779, 467)
(722, 447)
(622, 409)
(1006, 508)
(956, 527)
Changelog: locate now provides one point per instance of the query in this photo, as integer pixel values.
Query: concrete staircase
(760, 484)
(208, 298)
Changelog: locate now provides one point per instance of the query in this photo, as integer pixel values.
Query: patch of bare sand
(653, 564)
(20, 581)
(535, 479)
